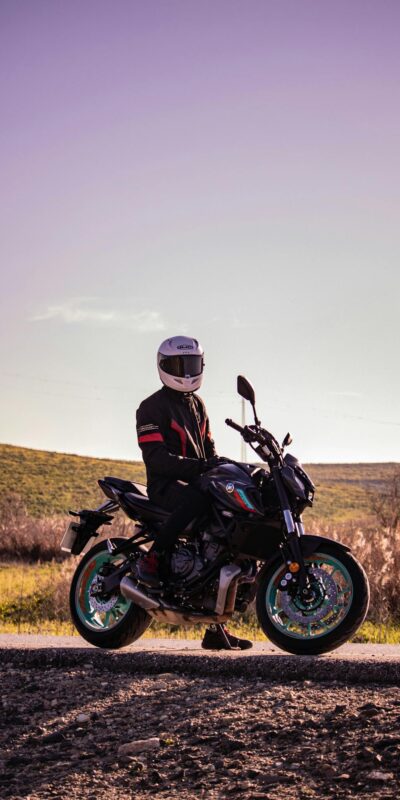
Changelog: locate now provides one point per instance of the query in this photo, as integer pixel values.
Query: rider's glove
(248, 434)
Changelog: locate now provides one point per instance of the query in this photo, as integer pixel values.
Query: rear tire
(273, 610)
(123, 624)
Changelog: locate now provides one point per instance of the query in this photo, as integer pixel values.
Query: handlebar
(234, 425)
(248, 434)
(264, 439)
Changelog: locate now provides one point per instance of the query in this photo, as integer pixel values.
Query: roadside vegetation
(357, 504)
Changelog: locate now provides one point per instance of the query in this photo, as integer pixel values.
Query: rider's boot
(217, 637)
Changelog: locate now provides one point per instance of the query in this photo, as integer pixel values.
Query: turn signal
(294, 567)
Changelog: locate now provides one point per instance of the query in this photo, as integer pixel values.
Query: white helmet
(180, 362)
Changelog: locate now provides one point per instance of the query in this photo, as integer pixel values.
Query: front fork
(293, 557)
(291, 549)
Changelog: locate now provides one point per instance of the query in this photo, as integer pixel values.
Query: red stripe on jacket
(150, 437)
(182, 435)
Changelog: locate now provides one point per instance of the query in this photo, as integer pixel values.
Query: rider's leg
(186, 503)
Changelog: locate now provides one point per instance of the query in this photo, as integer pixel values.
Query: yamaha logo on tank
(230, 487)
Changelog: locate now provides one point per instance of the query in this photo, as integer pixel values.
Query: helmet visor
(182, 366)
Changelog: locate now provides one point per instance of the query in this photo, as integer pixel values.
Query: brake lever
(248, 435)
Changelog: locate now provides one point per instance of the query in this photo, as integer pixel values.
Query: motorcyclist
(175, 438)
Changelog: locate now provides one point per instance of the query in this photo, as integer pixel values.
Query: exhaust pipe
(226, 576)
(131, 592)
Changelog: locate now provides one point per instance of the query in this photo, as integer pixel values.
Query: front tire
(340, 606)
(109, 622)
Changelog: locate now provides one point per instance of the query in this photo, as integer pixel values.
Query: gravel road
(352, 663)
(30, 641)
(218, 734)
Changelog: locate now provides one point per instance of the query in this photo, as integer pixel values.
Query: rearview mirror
(246, 390)
(287, 440)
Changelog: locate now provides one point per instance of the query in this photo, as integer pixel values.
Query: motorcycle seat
(139, 507)
(136, 503)
(142, 505)
(126, 486)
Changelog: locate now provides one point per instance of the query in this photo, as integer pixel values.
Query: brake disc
(308, 614)
(96, 601)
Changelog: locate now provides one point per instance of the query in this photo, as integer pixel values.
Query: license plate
(69, 538)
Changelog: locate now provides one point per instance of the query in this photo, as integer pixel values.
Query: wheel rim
(96, 613)
(333, 589)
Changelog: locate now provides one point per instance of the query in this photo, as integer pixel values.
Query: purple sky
(225, 168)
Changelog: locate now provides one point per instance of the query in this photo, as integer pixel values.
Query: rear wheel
(109, 621)
(329, 617)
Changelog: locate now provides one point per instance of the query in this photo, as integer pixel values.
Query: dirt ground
(219, 738)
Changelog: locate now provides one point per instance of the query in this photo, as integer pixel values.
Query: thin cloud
(87, 311)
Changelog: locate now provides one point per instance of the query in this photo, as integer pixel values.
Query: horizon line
(138, 461)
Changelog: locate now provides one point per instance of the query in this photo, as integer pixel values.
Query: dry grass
(378, 549)
(28, 538)
(32, 539)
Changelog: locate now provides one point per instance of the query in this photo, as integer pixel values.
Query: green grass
(18, 581)
(51, 483)
(26, 591)
(44, 627)
(374, 633)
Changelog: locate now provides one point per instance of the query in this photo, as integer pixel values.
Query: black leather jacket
(174, 435)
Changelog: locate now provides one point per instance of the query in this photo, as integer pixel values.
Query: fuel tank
(234, 488)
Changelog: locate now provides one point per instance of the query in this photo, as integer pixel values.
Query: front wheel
(332, 613)
(111, 621)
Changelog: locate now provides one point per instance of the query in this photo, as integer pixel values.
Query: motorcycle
(311, 592)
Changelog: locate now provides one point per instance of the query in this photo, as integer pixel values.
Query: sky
(227, 170)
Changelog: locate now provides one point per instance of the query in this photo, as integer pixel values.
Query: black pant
(186, 503)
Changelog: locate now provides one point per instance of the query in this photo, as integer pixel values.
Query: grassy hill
(51, 483)
(342, 489)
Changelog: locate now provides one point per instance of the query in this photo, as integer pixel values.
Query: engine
(188, 560)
